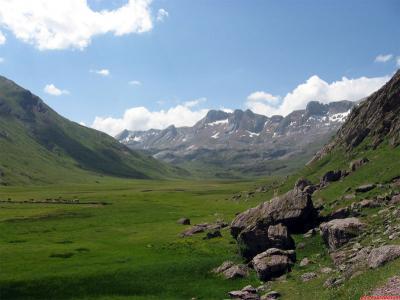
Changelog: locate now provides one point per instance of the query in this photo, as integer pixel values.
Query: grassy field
(125, 243)
(128, 249)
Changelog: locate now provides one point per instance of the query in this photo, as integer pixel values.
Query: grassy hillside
(39, 146)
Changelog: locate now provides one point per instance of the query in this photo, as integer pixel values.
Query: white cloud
(162, 14)
(102, 72)
(383, 58)
(2, 38)
(50, 24)
(319, 90)
(51, 89)
(135, 82)
(2, 60)
(140, 118)
(261, 96)
(398, 61)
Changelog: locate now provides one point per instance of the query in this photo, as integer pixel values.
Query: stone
(367, 203)
(236, 271)
(272, 295)
(381, 255)
(326, 270)
(338, 232)
(331, 176)
(198, 228)
(365, 188)
(349, 196)
(395, 200)
(273, 263)
(340, 213)
(294, 209)
(304, 262)
(308, 276)
(390, 289)
(184, 221)
(333, 282)
(310, 233)
(213, 234)
(224, 266)
(248, 293)
(302, 183)
(356, 164)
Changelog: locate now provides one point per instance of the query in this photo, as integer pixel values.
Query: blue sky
(270, 56)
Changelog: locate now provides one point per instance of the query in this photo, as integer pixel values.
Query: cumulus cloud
(50, 24)
(2, 38)
(141, 118)
(315, 89)
(102, 72)
(51, 89)
(162, 14)
(134, 82)
(383, 58)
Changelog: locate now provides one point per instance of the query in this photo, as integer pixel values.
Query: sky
(141, 64)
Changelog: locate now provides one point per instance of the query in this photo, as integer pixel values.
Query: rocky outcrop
(356, 164)
(294, 209)
(338, 232)
(379, 256)
(273, 263)
(331, 176)
(248, 293)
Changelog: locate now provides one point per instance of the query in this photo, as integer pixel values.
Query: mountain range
(238, 143)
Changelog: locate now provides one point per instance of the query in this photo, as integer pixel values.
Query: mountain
(374, 120)
(242, 142)
(38, 145)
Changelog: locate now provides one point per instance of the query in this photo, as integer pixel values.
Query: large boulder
(259, 237)
(338, 232)
(379, 256)
(294, 209)
(331, 176)
(273, 263)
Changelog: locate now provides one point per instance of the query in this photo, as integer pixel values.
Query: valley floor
(124, 243)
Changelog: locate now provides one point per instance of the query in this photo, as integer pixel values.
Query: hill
(37, 145)
(243, 143)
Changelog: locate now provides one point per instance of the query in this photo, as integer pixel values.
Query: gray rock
(213, 234)
(304, 262)
(236, 271)
(326, 270)
(356, 164)
(248, 293)
(365, 188)
(338, 232)
(333, 282)
(379, 256)
(395, 200)
(272, 295)
(224, 266)
(308, 276)
(331, 176)
(273, 263)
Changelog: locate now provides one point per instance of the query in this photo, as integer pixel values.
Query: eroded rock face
(338, 232)
(379, 256)
(273, 263)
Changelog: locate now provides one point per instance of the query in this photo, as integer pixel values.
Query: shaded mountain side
(374, 120)
(38, 145)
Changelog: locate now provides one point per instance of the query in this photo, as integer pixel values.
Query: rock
(184, 221)
(304, 262)
(379, 256)
(326, 270)
(310, 233)
(294, 209)
(302, 183)
(308, 276)
(248, 293)
(340, 213)
(273, 263)
(331, 176)
(395, 200)
(390, 289)
(198, 228)
(333, 282)
(338, 232)
(301, 245)
(365, 188)
(272, 295)
(236, 271)
(349, 197)
(213, 234)
(224, 266)
(356, 164)
(366, 203)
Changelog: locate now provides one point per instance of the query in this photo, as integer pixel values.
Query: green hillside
(39, 146)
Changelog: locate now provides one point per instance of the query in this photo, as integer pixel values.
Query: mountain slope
(38, 145)
(242, 142)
